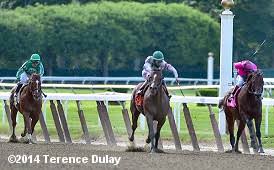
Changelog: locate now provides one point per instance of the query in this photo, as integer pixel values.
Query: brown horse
(155, 107)
(249, 107)
(30, 105)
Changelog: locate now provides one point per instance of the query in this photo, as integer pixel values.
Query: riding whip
(259, 47)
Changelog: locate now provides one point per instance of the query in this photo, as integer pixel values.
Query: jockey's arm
(170, 68)
(20, 71)
(41, 69)
(146, 70)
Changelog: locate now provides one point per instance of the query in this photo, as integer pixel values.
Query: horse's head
(35, 86)
(255, 83)
(156, 81)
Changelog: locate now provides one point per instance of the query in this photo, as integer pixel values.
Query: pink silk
(243, 67)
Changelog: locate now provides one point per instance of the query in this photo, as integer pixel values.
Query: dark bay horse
(30, 105)
(155, 107)
(249, 107)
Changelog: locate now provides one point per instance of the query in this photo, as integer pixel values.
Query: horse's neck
(249, 98)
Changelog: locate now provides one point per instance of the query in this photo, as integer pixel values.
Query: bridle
(252, 91)
(36, 90)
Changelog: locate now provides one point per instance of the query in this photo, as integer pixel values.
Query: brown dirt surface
(129, 160)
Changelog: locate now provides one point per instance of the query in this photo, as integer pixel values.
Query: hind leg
(230, 125)
(135, 116)
(13, 120)
(258, 134)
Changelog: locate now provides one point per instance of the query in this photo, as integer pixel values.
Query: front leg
(27, 121)
(151, 131)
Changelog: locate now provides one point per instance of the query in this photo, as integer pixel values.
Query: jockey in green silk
(156, 61)
(33, 65)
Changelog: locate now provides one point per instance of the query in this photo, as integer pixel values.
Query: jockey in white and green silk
(33, 65)
(156, 61)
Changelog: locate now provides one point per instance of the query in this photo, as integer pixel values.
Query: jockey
(243, 69)
(33, 65)
(156, 61)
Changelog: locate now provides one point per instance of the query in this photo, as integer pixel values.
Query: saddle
(232, 100)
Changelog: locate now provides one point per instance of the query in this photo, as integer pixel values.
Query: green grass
(200, 118)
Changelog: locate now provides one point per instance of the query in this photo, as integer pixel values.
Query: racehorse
(249, 107)
(155, 107)
(30, 105)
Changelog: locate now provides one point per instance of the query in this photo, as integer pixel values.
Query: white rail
(110, 96)
(105, 80)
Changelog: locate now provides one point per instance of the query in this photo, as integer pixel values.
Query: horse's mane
(254, 74)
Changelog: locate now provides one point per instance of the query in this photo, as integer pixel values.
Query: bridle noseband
(37, 89)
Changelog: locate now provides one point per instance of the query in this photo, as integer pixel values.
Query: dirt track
(130, 160)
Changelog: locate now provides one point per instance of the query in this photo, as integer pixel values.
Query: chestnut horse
(155, 107)
(30, 105)
(249, 107)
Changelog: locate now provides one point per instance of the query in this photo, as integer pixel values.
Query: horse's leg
(157, 135)
(230, 125)
(258, 122)
(28, 126)
(13, 120)
(33, 123)
(23, 134)
(135, 116)
(239, 133)
(251, 133)
(151, 131)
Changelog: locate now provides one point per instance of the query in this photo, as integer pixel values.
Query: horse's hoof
(24, 140)
(261, 150)
(132, 144)
(147, 147)
(32, 142)
(13, 139)
(228, 151)
(152, 151)
(159, 150)
(237, 152)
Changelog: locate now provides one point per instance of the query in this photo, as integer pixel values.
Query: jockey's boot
(142, 88)
(19, 85)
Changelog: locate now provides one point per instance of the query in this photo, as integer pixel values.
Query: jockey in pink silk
(156, 61)
(243, 69)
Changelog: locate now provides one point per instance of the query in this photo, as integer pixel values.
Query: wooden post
(103, 114)
(190, 128)
(7, 109)
(83, 122)
(126, 119)
(63, 121)
(174, 130)
(216, 131)
(44, 128)
(56, 121)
